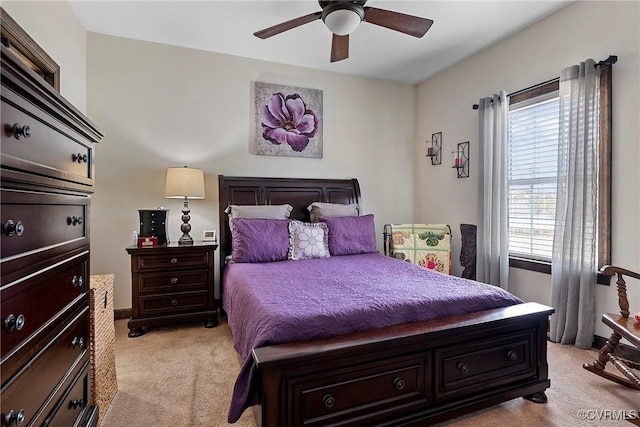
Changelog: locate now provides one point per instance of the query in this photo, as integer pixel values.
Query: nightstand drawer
(184, 302)
(175, 260)
(173, 282)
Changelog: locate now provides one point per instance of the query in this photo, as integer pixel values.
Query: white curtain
(574, 260)
(492, 238)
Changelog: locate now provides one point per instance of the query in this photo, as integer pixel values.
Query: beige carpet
(183, 377)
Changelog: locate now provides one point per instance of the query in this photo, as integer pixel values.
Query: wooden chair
(623, 326)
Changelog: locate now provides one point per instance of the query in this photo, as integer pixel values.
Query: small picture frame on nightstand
(209, 236)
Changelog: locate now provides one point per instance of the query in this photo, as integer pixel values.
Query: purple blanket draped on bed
(286, 301)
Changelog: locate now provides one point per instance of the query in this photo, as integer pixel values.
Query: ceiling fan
(343, 17)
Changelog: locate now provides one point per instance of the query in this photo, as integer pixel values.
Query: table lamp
(188, 183)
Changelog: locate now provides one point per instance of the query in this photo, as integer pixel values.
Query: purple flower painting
(288, 121)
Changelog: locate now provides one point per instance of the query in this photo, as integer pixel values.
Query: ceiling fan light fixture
(342, 18)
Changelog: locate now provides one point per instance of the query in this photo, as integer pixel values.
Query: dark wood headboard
(299, 193)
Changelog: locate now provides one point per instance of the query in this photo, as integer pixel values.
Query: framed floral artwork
(288, 121)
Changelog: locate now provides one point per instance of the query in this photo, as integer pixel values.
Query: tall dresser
(47, 177)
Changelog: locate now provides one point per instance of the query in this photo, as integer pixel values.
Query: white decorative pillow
(307, 241)
(333, 210)
(259, 211)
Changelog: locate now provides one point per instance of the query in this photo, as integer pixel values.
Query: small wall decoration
(460, 160)
(288, 121)
(434, 148)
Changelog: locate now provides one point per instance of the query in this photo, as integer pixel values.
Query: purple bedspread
(286, 301)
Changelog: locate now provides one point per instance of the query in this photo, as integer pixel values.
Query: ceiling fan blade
(407, 24)
(284, 26)
(339, 48)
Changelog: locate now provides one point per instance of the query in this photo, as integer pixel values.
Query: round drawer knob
(14, 417)
(174, 302)
(399, 383)
(80, 158)
(463, 367)
(13, 228)
(75, 403)
(328, 400)
(512, 355)
(174, 280)
(74, 220)
(77, 342)
(14, 322)
(21, 131)
(77, 281)
(174, 260)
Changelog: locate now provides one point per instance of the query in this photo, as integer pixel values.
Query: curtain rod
(612, 59)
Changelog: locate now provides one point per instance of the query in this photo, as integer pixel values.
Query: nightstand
(172, 283)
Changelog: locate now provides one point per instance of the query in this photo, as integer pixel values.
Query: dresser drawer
(361, 392)
(173, 260)
(34, 301)
(173, 282)
(52, 149)
(37, 227)
(73, 404)
(183, 302)
(478, 366)
(51, 223)
(38, 380)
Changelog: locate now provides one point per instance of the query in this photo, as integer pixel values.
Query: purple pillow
(259, 240)
(350, 235)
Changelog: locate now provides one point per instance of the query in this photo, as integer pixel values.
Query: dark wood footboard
(409, 374)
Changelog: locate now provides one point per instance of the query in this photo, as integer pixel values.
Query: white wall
(55, 27)
(161, 106)
(579, 31)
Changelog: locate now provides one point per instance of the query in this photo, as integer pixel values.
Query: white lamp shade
(184, 182)
(342, 21)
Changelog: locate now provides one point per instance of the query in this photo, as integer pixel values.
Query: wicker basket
(102, 343)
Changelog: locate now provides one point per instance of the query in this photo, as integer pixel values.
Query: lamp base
(185, 227)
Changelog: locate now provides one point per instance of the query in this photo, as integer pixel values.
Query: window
(532, 173)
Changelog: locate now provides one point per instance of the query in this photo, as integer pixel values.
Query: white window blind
(532, 176)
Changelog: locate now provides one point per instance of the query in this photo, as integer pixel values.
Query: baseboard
(623, 350)
(122, 313)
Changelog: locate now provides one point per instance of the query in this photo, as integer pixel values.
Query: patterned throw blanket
(426, 245)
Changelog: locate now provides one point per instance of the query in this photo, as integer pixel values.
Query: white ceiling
(460, 29)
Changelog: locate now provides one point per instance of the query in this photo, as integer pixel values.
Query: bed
(407, 371)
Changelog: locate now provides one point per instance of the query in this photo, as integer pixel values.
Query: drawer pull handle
(512, 355)
(463, 367)
(15, 418)
(12, 322)
(77, 281)
(21, 131)
(328, 400)
(75, 403)
(399, 383)
(77, 342)
(74, 220)
(174, 260)
(13, 228)
(174, 280)
(80, 158)
(174, 302)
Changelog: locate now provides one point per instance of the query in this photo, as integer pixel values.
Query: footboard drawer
(372, 388)
(480, 365)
